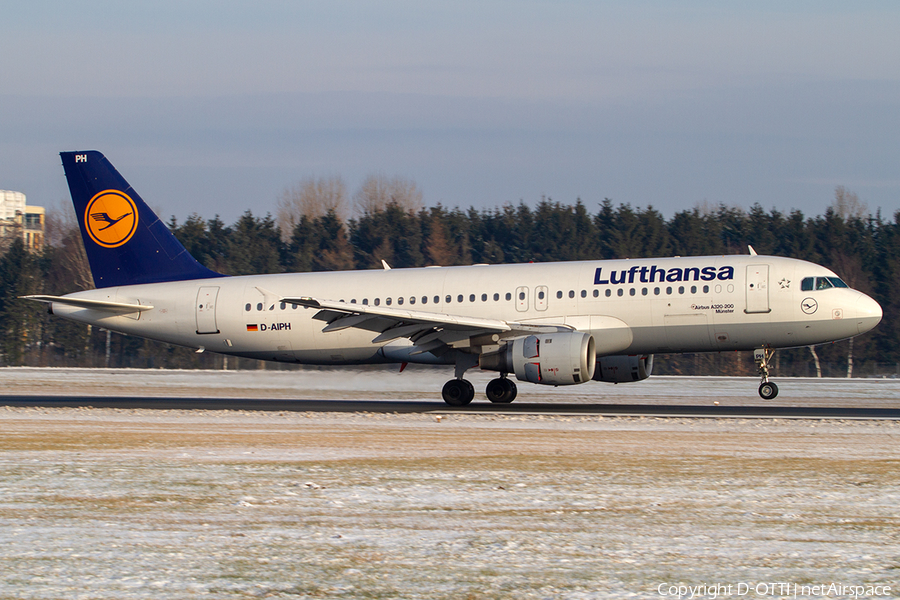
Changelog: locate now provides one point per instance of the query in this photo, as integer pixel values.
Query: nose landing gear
(767, 389)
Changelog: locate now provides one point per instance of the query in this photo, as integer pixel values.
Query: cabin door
(206, 310)
(757, 289)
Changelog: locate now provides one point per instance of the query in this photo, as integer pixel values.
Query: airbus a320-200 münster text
(549, 323)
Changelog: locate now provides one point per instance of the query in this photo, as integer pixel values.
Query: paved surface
(404, 407)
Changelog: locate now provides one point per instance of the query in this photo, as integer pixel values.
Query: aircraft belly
(349, 346)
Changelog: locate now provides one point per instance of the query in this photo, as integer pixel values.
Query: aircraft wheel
(768, 390)
(458, 392)
(501, 390)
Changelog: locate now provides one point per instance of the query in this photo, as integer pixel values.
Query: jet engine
(622, 369)
(563, 358)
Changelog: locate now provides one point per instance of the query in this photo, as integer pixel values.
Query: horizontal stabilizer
(118, 308)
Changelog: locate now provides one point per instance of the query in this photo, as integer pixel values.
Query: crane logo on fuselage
(654, 274)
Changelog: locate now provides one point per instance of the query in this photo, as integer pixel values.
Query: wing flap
(400, 315)
(432, 332)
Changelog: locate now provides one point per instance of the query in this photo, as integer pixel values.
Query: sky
(217, 107)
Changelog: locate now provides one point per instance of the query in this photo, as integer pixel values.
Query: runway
(430, 407)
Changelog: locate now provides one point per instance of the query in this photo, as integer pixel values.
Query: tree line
(862, 248)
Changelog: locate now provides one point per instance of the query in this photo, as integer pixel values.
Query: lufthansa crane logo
(111, 218)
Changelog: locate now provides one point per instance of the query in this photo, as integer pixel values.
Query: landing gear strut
(767, 389)
(501, 390)
(459, 392)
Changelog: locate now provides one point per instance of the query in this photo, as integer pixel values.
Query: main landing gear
(767, 389)
(460, 392)
(501, 390)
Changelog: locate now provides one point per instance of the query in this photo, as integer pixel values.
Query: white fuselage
(662, 305)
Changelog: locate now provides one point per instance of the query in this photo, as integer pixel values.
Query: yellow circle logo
(111, 218)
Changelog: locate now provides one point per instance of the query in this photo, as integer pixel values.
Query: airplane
(562, 323)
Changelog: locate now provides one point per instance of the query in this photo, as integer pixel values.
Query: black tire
(501, 391)
(458, 392)
(768, 390)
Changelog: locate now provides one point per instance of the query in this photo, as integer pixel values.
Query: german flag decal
(252, 327)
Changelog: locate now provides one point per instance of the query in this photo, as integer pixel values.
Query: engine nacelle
(563, 358)
(622, 369)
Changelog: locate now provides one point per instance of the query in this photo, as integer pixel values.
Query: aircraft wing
(429, 331)
(119, 308)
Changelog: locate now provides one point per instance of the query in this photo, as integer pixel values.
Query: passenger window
(353, 301)
(620, 292)
(584, 293)
(259, 306)
(484, 297)
(508, 296)
(388, 301)
(521, 295)
(412, 299)
(471, 297)
(437, 299)
(377, 301)
(400, 301)
(608, 292)
(693, 289)
(807, 284)
(247, 308)
(571, 293)
(656, 291)
(559, 294)
(705, 289)
(459, 298)
(669, 290)
(644, 291)
(424, 299)
(596, 293)
(496, 297)
(680, 289)
(632, 292)
(366, 301)
(541, 295)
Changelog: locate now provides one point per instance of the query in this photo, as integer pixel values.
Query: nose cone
(868, 313)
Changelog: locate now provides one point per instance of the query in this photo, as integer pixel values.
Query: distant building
(18, 219)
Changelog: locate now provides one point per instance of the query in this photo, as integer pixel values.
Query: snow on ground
(134, 504)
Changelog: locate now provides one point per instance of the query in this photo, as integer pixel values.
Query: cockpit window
(809, 284)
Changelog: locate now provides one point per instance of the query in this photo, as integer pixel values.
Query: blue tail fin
(126, 243)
